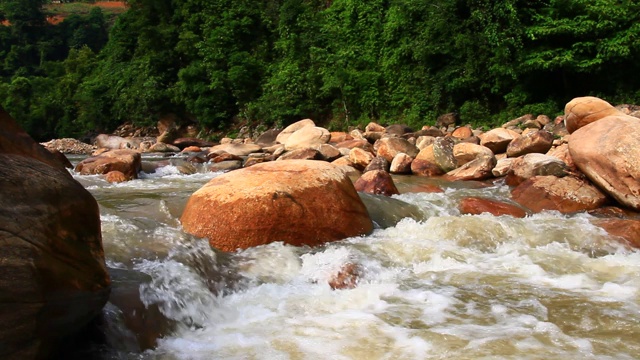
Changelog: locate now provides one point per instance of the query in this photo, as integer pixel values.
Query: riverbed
(437, 285)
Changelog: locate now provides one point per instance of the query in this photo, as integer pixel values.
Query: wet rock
(61, 159)
(54, 279)
(607, 151)
(346, 278)
(225, 166)
(223, 156)
(478, 205)
(192, 149)
(126, 161)
(236, 149)
(582, 111)
(566, 194)
(626, 230)
(257, 205)
(162, 147)
(197, 159)
(387, 211)
(532, 142)
(377, 182)
(115, 177)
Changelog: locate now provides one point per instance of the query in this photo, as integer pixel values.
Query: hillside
(56, 13)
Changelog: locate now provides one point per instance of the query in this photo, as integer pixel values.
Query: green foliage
(342, 62)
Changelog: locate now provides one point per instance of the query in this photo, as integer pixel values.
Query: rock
(462, 132)
(236, 149)
(328, 152)
(564, 194)
(387, 211)
(357, 134)
(466, 152)
(268, 138)
(350, 144)
(431, 131)
(397, 130)
(115, 177)
(192, 149)
(502, 167)
(477, 169)
(373, 127)
(388, 148)
(286, 132)
(627, 230)
(562, 153)
(377, 163)
(443, 153)
(424, 141)
(126, 161)
(533, 142)
(113, 142)
(401, 164)
(446, 120)
(372, 137)
(534, 164)
(257, 205)
(582, 111)
(225, 166)
(54, 279)
(346, 278)
(498, 139)
(196, 159)
(608, 153)
(425, 163)
(360, 158)
(477, 206)
(162, 147)
(339, 136)
(307, 137)
(69, 146)
(557, 127)
(61, 159)
(301, 154)
(220, 157)
(168, 136)
(182, 143)
(517, 122)
(377, 182)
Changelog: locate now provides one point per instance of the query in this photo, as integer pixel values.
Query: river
(439, 285)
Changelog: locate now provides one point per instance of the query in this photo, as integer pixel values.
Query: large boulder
(566, 194)
(498, 139)
(582, 111)
(126, 161)
(425, 163)
(607, 151)
(532, 142)
(480, 205)
(235, 149)
(54, 280)
(389, 147)
(289, 130)
(114, 142)
(307, 137)
(477, 169)
(298, 202)
(534, 164)
(377, 182)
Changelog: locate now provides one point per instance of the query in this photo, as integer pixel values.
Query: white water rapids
(447, 286)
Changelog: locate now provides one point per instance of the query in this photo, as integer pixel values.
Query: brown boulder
(346, 278)
(123, 160)
(286, 132)
(466, 152)
(374, 127)
(356, 143)
(462, 132)
(566, 194)
(186, 142)
(115, 177)
(257, 205)
(360, 158)
(378, 163)
(425, 163)
(401, 164)
(339, 136)
(54, 279)
(534, 164)
(608, 153)
(443, 153)
(533, 142)
(301, 154)
(377, 182)
(308, 136)
(477, 169)
(498, 139)
(627, 230)
(582, 111)
(389, 147)
(477, 206)
(328, 152)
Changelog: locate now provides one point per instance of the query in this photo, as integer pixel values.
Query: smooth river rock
(298, 202)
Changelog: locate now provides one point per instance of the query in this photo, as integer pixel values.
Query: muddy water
(436, 285)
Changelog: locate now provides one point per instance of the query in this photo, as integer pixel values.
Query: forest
(217, 63)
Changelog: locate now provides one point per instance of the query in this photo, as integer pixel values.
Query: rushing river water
(439, 285)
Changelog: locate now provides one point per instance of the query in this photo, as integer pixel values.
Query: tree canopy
(340, 62)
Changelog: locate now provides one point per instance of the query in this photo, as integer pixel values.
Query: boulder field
(54, 279)
(583, 160)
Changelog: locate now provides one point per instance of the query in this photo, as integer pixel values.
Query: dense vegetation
(339, 62)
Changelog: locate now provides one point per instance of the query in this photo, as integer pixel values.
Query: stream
(434, 284)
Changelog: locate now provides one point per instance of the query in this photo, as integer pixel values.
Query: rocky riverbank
(584, 160)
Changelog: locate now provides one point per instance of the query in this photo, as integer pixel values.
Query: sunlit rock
(388, 148)
(377, 182)
(566, 194)
(478, 205)
(298, 202)
(535, 141)
(607, 151)
(582, 111)
(498, 139)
